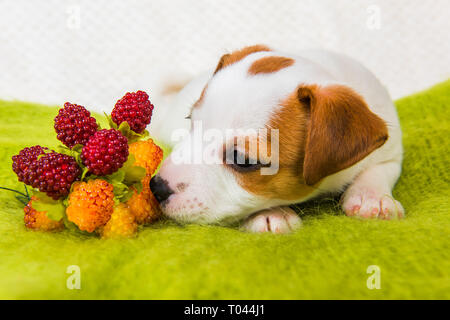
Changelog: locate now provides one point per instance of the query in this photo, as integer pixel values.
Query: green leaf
(126, 195)
(132, 136)
(64, 150)
(134, 174)
(111, 123)
(130, 162)
(77, 148)
(42, 196)
(139, 187)
(119, 189)
(74, 152)
(84, 173)
(116, 177)
(55, 210)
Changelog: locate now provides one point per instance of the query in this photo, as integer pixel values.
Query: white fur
(235, 100)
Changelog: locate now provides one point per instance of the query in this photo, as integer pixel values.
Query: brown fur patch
(322, 130)
(200, 99)
(288, 183)
(230, 58)
(342, 130)
(270, 64)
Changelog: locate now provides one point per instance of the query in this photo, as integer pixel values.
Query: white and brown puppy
(338, 131)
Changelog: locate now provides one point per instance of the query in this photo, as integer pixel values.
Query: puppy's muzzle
(160, 188)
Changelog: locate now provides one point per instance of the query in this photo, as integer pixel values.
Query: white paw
(275, 220)
(367, 203)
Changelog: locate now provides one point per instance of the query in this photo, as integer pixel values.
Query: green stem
(23, 194)
(26, 190)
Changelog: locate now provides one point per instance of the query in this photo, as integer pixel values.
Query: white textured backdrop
(91, 52)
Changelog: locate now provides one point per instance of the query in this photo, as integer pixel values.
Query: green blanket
(326, 259)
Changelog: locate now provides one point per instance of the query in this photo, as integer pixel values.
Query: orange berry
(90, 204)
(38, 220)
(121, 225)
(147, 154)
(143, 205)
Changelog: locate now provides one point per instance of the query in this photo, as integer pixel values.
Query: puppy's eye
(244, 164)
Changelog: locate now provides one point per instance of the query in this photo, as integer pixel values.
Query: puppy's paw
(275, 220)
(367, 203)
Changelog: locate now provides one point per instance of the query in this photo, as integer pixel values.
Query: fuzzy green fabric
(326, 259)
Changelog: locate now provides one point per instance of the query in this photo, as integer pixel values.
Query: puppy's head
(261, 139)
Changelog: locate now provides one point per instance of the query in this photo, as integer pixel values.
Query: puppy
(331, 128)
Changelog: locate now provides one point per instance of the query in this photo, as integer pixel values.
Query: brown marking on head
(230, 58)
(322, 130)
(200, 99)
(270, 64)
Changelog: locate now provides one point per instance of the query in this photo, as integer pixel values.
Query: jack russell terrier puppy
(337, 131)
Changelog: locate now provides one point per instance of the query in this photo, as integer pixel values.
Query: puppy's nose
(160, 188)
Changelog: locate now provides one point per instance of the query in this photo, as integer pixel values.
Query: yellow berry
(121, 225)
(147, 155)
(90, 204)
(38, 220)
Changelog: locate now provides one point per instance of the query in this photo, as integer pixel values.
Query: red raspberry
(53, 173)
(134, 108)
(24, 159)
(74, 125)
(105, 152)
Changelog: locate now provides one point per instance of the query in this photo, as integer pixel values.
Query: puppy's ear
(341, 130)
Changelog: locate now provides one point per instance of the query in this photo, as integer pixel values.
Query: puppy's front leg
(275, 220)
(370, 195)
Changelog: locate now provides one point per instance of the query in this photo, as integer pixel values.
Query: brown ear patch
(341, 131)
(270, 64)
(238, 55)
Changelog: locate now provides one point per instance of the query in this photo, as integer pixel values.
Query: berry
(121, 225)
(147, 155)
(134, 108)
(90, 204)
(53, 173)
(143, 205)
(105, 152)
(23, 160)
(38, 220)
(74, 125)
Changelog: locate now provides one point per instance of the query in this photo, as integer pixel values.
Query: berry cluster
(48, 171)
(53, 173)
(81, 179)
(91, 204)
(134, 108)
(105, 152)
(74, 125)
(24, 159)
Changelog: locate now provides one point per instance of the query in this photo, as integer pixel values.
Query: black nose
(160, 188)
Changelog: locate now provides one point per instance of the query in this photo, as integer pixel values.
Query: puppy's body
(337, 126)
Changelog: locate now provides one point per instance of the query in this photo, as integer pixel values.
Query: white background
(92, 52)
